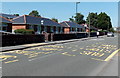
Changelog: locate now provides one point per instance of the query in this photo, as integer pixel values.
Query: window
(4, 28)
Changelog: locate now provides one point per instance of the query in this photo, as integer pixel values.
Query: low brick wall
(11, 40)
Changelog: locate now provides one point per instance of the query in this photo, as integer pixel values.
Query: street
(92, 57)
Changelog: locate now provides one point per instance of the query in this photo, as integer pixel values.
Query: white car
(110, 34)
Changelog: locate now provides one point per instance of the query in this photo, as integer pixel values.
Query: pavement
(79, 57)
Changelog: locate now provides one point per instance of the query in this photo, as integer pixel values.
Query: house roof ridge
(6, 19)
(54, 21)
(41, 17)
(25, 19)
(7, 14)
(67, 23)
(62, 24)
(17, 17)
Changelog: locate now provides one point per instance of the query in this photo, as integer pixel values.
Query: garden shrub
(24, 31)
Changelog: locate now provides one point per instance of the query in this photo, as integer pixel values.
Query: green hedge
(24, 31)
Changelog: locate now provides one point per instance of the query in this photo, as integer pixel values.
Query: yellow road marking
(66, 53)
(3, 59)
(97, 59)
(109, 57)
(7, 52)
(11, 61)
(81, 48)
(7, 56)
(74, 50)
(34, 44)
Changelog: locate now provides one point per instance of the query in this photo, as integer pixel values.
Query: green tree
(100, 21)
(112, 30)
(79, 18)
(72, 19)
(104, 21)
(16, 14)
(34, 13)
(93, 19)
(54, 19)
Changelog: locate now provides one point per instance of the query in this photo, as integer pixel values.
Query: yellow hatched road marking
(11, 61)
(110, 56)
(3, 59)
(74, 50)
(7, 56)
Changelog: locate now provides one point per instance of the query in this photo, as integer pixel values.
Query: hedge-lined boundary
(11, 40)
(74, 36)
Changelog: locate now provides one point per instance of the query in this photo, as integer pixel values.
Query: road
(93, 57)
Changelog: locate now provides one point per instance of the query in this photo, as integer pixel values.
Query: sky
(62, 10)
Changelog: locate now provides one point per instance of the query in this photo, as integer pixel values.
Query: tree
(104, 21)
(72, 19)
(112, 30)
(93, 19)
(16, 14)
(79, 18)
(54, 19)
(34, 13)
(101, 21)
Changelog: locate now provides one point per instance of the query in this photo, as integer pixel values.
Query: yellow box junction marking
(92, 53)
(28, 52)
(66, 53)
(74, 50)
(110, 56)
(99, 51)
(5, 57)
(11, 61)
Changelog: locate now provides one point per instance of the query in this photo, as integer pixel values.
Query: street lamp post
(76, 13)
(89, 26)
(108, 25)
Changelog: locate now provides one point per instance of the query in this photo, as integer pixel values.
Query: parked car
(110, 34)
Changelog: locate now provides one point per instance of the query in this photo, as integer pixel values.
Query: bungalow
(38, 24)
(8, 16)
(5, 24)
(72, 27)
(91, 28)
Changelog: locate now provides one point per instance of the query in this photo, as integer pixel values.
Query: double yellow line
(110, 56)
